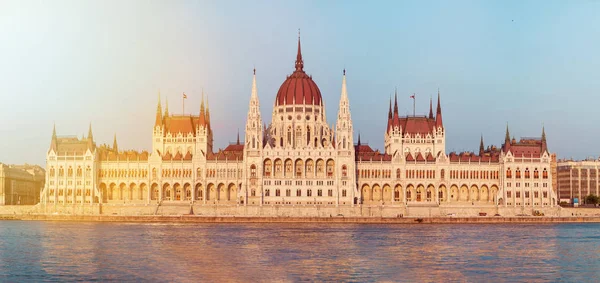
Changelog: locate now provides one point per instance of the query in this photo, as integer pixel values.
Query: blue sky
(525, 63)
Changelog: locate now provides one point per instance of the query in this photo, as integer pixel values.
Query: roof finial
(299, 61)
(344, 71)
(238, 137)
(359, 138)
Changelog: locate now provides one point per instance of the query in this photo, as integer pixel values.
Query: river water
(69, 251)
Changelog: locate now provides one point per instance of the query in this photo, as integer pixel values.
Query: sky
(527, 64)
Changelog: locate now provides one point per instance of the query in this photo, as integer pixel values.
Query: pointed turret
(389, 124)
(507, 139)
(299, 61)
(238, 137)
(254, 134)
(115, 147)
(359, 139)
(207, 113)
(481, 147)
(343, 134)
(53, 141)
(202, 115)
(438, 113)
(430, 108)
(159, 116)
(166, 108)
(90, 138)
(544, 145)
(396, 103)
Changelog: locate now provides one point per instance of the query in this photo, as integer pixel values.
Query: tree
(592, 199)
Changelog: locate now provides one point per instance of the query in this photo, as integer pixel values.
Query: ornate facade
(299, 159)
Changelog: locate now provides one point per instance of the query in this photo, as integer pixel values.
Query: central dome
(298, 88)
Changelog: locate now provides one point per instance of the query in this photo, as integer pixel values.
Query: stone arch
(309, 168)
(387, 193)
(122, 191)
(299, 168)
(320, 169)
(420, 193)
(267, 167)
(430, 193)
(330, 168)
(104, 192)
(398, 193)
(211, 192)
(232, 194)
(463, 193)
(484, 193)
(177, 192)
(221, 192)
(167, 192)
(199, 191)
(187, 191)
(289, 168)
(411, 192)
(155, 192)
(133, 192)
(442, 193)
(493, 192)
(474, 193)
(366, 193)
(454, 193)
(143, 192)
(278, 168)
(376, 192)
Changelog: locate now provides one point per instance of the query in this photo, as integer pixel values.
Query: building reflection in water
(68, 251)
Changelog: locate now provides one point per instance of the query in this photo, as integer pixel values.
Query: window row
(526, 194)
(527, 173)
(299, 168)
(472, 174)
(78, 172)
(298, 193)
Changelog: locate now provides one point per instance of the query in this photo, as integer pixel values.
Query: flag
(184, 96)
(412, 96)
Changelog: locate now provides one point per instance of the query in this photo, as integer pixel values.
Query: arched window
(289, 136)
(536, 174)
(545, 174)
(252, 171)
(88, 172)
(154, 173)
(344, 171)
(79, 171)
(268, 165)
(70, 172)
(508, 173)
(61, 172)
(518, 173)
(527, 176)
(398, 173)
(442, 174)
(52, 171)
(267, 192)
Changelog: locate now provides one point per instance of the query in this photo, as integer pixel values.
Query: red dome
(298, 88)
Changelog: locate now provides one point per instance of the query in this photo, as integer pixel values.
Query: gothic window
(253, 193)
(320, 165)
(154, 173)
(330, 168)
(299, 166)
(289, 136)
(267, 192)
(277, 193)
(309, 168)
(70, 172)
(330, 193)
(344, 171)
(288, 168)
(288, 193)
(545, 174)
(344, 193)
(253, 171)
(508, 173)
(298, 192)
(88, 172)
(52, 171)
(278, 165)
(408, 195)
(309, 193)
(79, 171)
(518, 174)
(442, 174)
(509, 194)
(527, 173)
(319, 192)
(267, 168)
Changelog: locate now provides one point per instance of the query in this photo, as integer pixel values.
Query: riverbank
(338, 219)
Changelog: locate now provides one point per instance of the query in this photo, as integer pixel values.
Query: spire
(207, 113)
(238, 137)
(254, 88)
(358, 138)
(158, 112)
(166, 107)
(53, 141)
(115, 147)
(438, 113)
(299, 61)
(54, 131)
(396, 102)
(481, 147)
(390, 110)
(507, 137)
(544, 144)
(344, 90)
(430, 108)
(90, 136)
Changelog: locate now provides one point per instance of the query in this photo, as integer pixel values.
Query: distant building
(577, 179)
(299, 159)
(20, 184)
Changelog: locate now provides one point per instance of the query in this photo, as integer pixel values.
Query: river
(123, 252)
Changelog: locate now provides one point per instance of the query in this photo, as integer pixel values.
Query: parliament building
(300, 160)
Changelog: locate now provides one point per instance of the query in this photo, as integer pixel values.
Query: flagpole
(414, 104)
